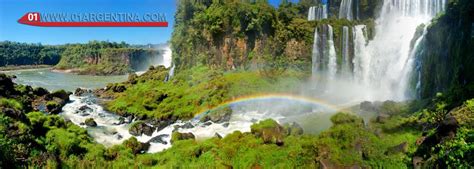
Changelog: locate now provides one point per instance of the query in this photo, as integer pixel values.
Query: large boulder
(90, 122)
(136, 146)
(219, 115)
(81, 92)
(181, 136)
(269, 130)
(159, 139)
(138, 128)
(293, 129)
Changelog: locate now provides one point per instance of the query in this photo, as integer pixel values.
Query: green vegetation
(14, 53)
(234, 34)
(104, 58)
(191, 91)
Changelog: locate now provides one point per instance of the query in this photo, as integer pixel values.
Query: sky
(12, 10)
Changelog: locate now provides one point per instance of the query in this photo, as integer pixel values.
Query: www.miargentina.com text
(103, 17)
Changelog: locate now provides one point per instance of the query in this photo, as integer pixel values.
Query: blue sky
(12, 10)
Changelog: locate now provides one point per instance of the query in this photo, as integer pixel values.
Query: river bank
(23, 67)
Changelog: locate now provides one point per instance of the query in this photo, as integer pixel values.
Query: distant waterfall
(345, 50)
(317, 12)
(170, 74)
(345, 10)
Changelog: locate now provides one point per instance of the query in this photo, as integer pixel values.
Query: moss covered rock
(269, 130)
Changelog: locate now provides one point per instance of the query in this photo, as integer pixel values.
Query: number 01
(32, 16)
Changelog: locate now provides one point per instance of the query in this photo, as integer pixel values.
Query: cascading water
(317, 12)
(332, 65)
(396, 26)
(361, 59)
(345, 10)
(381, 68)
(345, 50)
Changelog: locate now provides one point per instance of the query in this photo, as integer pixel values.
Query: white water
(332, 66)
(108, 132)
(382, 66)
(361, 58)
(345, 10)
(318, 12)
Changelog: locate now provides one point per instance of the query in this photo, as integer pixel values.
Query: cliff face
(244, 35)
(106, 60)
(447, 58)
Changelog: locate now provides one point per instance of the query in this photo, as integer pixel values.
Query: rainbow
(263, 97)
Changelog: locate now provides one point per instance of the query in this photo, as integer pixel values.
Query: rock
(13, 113)
(39, 91)
(118, 137)
(136, 146)
(160, 124)
(121, 121)
(448, 126)
(90, 122)
(367, 106)
(207, 123)
(181, 136)
(269, 130)
(187, 125)
(53, 107)
(401, 148)
(139, 128)
(81, 92)
(417, 162)
(159, 139)
(84, 114)
(293, 129)
(420, 140)
(226, 124)
(382, 118)
(219, 115)
(84, 109)
(217, 135)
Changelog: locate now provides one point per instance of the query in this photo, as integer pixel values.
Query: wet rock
(187, 125)
(84, 114)
(207, 123)
(217, 135)
(293, 129)
(218, 115)
(90, 122)
(81, 92)
(226, 124)
(159, 139)
(118, 137)
(120, 122)
(254, 120)
(84, 109)
(160, 124)
(139, 128)
(181, 136)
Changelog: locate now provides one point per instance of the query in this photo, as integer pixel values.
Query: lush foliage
(14, 53)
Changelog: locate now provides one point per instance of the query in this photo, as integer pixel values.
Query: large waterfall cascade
(381, 67)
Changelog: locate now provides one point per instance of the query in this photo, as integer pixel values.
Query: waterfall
(314, 56)
(345, 10)
(396, 26)
(345, 67)
(332, 65)
(317, 12)
(170, 74)
(361, 58)
(379, 69)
